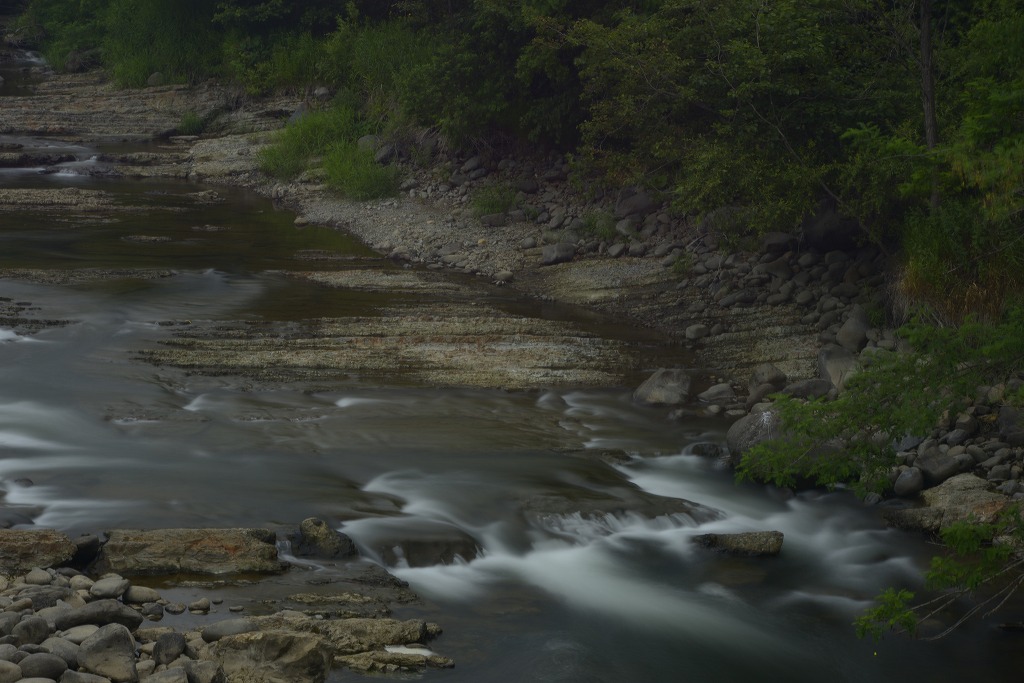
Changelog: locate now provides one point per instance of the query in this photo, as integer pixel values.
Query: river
(450, 488)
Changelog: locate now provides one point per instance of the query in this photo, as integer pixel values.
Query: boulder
(110, 652)
(168, 647)
(271, 657)
(778, 242)
(317, 539)
(749, 431)
(667, 386)
(31, 630)
(808, 388)
(853, 335)
(961, 498)
(109, 587)
(637, 204)
(71, 676)
(194, 551)
(836, 364)
(747, 544)
(64, 649)
(766, 373)
(21, 551)
(140, 595)
(719, 394)
(228, 627)
(205, 672)
(562, 252)
(909, 483)
(43, 665)
(937, 468)
(9, 672)
(1011, 426)
(100, 613)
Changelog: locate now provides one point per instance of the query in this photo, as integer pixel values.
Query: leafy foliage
(309, 136)
(982, 560)
(497, 198)
(849, 439)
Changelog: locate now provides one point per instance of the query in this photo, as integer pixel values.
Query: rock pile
(60, 624)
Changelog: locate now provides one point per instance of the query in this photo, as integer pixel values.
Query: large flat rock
(20, 551)
(190, 551)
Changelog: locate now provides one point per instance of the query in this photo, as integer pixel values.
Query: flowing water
(440, 485)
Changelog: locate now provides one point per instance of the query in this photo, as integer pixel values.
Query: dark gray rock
(109, 587)
(808, 388)
(139, 595)
(751, 430)
(317, 539)
(778, 242)
(101, 613)
(110, 652)
(9, 672)
(836, 364)
(43, 597)
(8, 620)
(667, 386)
(228, 627)
(937, 468)
(853, 335)
(64, 649)
(719, 394)
(168, 647)
(697, 331)
(956, 437)
(205, 672)
(1011, 426)
(909, 483)
(82, 677)
(43, 665)
(31, 629)
(562, 252)
(766, 373)
(638, 204)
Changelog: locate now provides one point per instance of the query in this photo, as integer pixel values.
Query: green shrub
(498, 198)
(354, 173)
(599, 223)
(191, 124)
(312, 135)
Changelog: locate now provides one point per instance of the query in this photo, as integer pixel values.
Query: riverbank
(778, 303)
(807, 305)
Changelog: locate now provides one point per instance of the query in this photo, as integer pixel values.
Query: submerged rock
(750, 544)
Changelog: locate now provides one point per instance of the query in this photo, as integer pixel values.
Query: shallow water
(92, 438)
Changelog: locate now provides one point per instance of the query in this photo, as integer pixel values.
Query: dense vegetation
(906, 115)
